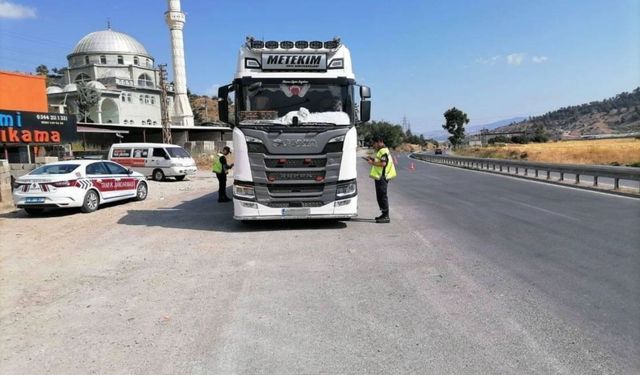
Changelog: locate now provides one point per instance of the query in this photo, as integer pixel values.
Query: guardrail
(533, 170)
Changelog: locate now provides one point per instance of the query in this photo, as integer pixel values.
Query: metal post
(577, 178)
(616, 184)
(548, 175)
(595, 180)
(29, 154)
(536, 173)
(561, 176)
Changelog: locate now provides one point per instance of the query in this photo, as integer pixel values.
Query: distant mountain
(620, 114)
(443, 135)
(476, 128)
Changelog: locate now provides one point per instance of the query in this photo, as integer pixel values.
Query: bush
(520, 139)
(540, 138)
(498, 139)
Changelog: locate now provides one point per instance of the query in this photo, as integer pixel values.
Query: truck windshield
(278, 103)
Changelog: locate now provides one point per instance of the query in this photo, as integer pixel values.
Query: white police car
(77, 183)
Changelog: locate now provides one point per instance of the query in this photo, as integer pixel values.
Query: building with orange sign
(23, 92)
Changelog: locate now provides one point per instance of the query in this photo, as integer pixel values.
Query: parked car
(77, 183)
(158, 160)
(438, 151)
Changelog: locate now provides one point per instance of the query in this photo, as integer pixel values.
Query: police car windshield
(311, 102)
(55, 169)
(177, 152)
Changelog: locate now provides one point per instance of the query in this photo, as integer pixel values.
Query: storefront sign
(19, 127)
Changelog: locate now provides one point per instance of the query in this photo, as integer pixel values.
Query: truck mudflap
(341, 209)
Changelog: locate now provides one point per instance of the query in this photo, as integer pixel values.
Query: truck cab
(294, 117)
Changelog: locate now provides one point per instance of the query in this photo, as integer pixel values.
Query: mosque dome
(53, 90)
(96, 85)
(109, 41)
(70, 87)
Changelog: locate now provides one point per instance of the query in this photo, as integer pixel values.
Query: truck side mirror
(223, 103)
(365, 92)
(365, 110)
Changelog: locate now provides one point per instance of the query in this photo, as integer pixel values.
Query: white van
(158, 160)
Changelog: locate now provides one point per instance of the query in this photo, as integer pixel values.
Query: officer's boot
(384, 218)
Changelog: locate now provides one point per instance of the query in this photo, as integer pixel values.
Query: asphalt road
(476, 273)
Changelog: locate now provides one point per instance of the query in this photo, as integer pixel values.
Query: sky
(493, 59)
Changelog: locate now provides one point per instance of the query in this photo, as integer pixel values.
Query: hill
(617, 115)
(442, 134)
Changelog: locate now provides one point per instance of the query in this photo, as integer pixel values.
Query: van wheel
(90, 202)
(180, 178)
(158, 175)
(142, 191)
(33, 211)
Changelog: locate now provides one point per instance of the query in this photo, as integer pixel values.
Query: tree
(391, 134)
(87, 98)
(455, 122)
(42, 70)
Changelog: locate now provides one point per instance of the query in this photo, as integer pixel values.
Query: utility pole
(164, 105)
(404, 124)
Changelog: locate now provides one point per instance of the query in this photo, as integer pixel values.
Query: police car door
(100, 178)
(124, 185)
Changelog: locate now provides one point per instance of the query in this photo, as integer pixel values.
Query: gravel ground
(174, 285)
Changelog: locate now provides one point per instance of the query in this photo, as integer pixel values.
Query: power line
(36, 39)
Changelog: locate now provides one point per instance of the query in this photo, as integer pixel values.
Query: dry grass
(600, 151)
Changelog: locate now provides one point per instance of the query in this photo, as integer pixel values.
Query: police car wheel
(33, 211)
(180, 178)
(142, 191)
(158, 175)
(90, 202)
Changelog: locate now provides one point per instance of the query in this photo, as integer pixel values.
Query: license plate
(295, 211)
(35, 200)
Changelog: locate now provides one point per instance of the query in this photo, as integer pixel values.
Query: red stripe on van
(130, 162)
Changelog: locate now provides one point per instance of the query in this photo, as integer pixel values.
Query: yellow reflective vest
(217, 165)
(389, 171)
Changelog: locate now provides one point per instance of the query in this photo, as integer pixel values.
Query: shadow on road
(205, 213)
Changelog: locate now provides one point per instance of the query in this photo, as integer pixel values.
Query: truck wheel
(90, 202)
(158, 175)
(142, 191)
(180, 178)
(33, 211)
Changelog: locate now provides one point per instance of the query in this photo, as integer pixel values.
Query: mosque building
(127, 77)
(122, 70)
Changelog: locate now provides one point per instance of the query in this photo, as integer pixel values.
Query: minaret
(182, 114)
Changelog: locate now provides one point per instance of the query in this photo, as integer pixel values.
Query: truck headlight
(346, 190)
(243, 191)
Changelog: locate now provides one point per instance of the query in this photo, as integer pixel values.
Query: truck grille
(296, 163)
(295, 176)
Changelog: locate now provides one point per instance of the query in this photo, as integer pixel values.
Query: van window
(159, 153)
(121, 152)
(140, 152)
(178, 152)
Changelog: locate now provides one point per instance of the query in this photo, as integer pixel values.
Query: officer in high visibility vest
(221, 168)
(382, 170)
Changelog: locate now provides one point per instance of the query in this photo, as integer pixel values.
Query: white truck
(294, 130)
